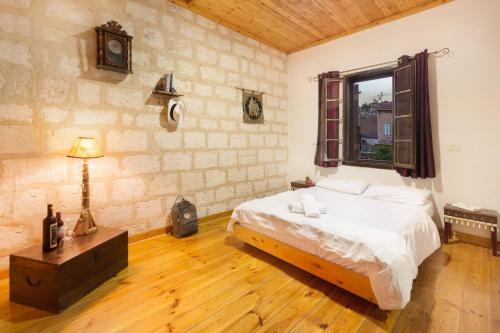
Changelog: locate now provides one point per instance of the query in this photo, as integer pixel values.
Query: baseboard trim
(214, 217)
(168, 229)
(149, 233)
(468, 238)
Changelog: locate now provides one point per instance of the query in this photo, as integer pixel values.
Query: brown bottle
(49, 230)
(60, 224)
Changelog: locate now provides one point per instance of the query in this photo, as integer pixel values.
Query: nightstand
(296, 184)
(484, 218)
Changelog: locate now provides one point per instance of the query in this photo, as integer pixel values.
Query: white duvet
(383, 240)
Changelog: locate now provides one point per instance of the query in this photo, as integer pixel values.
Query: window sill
(370, 164)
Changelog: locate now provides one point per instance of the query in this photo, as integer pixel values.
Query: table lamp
(85, 148)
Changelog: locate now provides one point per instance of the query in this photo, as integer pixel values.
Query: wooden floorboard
(213, 283)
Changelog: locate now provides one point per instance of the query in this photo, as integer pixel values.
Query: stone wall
(51, 92)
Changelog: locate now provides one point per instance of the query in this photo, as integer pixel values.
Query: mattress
(382, 240)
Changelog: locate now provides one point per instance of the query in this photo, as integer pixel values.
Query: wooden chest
(53, 281)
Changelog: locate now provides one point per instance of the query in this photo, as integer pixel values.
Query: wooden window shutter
(404, 114)
(331, 112)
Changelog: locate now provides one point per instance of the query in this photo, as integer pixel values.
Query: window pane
(332, 89)
(332, 110)
(332, 130)
(403, 153)
(403, 128)
(387, 129)
(403, 104)
(373, 105)
(403, 78)
(332, 150)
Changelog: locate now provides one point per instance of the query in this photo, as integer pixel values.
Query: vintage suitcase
(184, 220)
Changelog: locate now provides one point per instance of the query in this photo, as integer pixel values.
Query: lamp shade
(85, 148)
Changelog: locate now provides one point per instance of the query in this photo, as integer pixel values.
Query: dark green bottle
(49, 230)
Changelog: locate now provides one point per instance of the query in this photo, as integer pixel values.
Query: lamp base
(85, 224)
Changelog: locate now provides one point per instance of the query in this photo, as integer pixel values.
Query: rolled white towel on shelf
(310, 206)
(296, 207)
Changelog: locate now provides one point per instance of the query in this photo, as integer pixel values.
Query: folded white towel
(296, 207)
(310, 206)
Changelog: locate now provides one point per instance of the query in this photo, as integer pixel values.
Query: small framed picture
(253, 111)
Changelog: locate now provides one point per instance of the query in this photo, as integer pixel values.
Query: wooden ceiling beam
(274, 20)
(355, 14)
(262, 22)
(386, 8)
(307, 11)
(215, 16)
(291, 26)
(294, 18)
(268, 24)
(337, 13)
(415, 10)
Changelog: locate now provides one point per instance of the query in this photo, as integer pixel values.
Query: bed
(367, 246)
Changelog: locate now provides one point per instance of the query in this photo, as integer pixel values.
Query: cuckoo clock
(114, 48)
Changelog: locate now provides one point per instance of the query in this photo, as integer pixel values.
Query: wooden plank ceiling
(293, 25)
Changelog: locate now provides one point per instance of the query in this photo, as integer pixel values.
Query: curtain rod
(442, 52)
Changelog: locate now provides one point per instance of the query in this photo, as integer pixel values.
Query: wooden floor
(212, 283)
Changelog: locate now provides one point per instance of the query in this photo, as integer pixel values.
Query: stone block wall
(51, 92)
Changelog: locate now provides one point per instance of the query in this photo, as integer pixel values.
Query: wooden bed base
(344, 278)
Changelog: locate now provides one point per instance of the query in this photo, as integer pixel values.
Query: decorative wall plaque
(253, 111)
(114, 48)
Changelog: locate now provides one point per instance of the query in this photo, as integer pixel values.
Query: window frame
(407, 68)
(338, 120)
(350, 129)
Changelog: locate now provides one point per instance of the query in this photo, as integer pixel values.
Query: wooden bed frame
(344, 278)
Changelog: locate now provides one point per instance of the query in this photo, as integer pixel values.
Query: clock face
(115, 46)
(115, 51)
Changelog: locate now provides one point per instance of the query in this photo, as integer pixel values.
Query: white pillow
(343, 185)
(402, 194)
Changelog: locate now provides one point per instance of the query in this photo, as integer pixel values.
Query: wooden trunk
(53, 281)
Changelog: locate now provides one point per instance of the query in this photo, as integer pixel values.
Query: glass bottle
(49, 230)
(60, 224)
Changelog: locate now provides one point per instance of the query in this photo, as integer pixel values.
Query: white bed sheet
(383, 240)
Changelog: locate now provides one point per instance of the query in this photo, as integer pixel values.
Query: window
(368, 112)
(387, 129)
(377, 125)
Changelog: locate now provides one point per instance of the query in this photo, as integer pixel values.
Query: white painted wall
(464, 89)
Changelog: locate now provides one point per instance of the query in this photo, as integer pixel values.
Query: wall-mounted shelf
(166, 94)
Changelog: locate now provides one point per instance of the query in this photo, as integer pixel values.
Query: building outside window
(369, 114)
